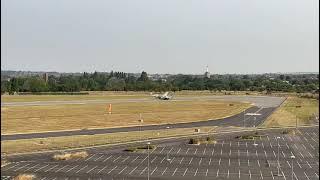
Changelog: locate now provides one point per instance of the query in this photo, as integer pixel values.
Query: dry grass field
(286, 114)
(27, 119)
(66, 142)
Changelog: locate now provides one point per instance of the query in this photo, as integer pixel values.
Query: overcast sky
(160, 36)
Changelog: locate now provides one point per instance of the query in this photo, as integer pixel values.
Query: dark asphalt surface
(229, 158)
(236, 120)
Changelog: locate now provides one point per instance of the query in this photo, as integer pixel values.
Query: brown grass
(25, 177)
(68, 156)
(65, 117)
(286, 114)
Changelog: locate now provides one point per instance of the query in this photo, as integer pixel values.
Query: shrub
(25, 177)
(67, 156)
(194, 141)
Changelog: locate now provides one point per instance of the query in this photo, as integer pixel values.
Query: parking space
(229, 158)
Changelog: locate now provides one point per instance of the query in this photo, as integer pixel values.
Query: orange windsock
(110, 108)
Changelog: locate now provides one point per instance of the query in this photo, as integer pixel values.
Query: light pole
(167, 128)
(292, 158)
(278, 156)
(148, 161)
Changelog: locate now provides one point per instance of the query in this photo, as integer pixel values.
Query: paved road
(230, 158)
(236, 120)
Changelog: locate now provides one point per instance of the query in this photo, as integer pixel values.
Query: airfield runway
(262, 105)
(230, 158)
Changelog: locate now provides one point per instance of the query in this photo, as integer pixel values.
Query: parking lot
(229, 158)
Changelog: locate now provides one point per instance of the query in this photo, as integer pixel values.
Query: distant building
(45, 77)
(207, 73)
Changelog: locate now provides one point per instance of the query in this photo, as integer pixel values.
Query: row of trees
(120, 81)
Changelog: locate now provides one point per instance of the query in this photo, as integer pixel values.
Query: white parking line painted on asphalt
(19, 167)
(274, 154)
(164, 171)
(249, 173)
(306, 175)
(229, 161)
(301, 154)
(154, 159)
(178, 151)
(181, 160)
(113, 169)
(72, 168)
(207, 172)
(81, 168)
(317, 175)
(61, 168)
(125, 159)
(107, 158)
(135, 159)
(284, 176)
(310, 154)
(91, 169)
(258, 162)
(283, 154)
(174, 172)
(190, 160)
(154, 170)
(212, 152)
(51, 168)
(204, 151)
(172, 160)
(304, 146)
(219, 161)
(185, 172)
(200, 161)
(270, 144)
(123, 170)
(31, 167)
(239, 173)
(41, 168)
(98, 158)
(196, 172)
(217, 173)
(247, 153)
(221, 152)
(230, 152)
(309, 164)
(90, 157)
(144, 159)
(239, 162)
(116, 158)
(162, 160)
(133, 170)
(299, 164)
(287, 146)
(272, 175)
(262, 145)
(210, 162)
(265, 154)
(162, 149)
(187, 150)
(288, 164)
(261, 175)
(195, 152)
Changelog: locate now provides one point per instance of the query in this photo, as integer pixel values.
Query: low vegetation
(289, 131)
(25, 177)
(29, 119)
(250, 136)
(198, 141)
(70, 155)
(302, 110)
(136, 149)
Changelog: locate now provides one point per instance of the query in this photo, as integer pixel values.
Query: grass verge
(67, 142)
(25, 177)
(294, 107)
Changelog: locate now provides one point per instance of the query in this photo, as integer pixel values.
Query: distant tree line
(120, 81)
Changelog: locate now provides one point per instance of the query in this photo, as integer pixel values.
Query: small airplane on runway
(166, 96)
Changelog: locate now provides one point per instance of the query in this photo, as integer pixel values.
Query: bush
(68, 156)
(25, 177)
(194, 141)
(131, 149)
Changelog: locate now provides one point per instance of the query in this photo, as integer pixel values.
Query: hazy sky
(161, 36)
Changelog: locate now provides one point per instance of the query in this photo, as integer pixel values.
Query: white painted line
(181, 160)
(204, 151)
(247, 153)
(317, 175)
(284, 176)
(256, 153)
(230, 152)
(185, 172)
(187, 151)
(164, 171)
(309, 164)
(172, 160)
(299, 164)
(178, 150)
(19, 167)
(272, 174)
(258, 162)
(91, 169)
(229, 161)
(144, 159)
(123, 170)
(207, 172)
(107, 158)
(306, 175)
(200, 161)
(221, 152)
(210, 162)
(261, 175)
(219, 161)
(310, 154)
(51, 168)
(287, 146)
(304, 146)
(262, 145)
(239, 173)
(31, 167)
(249, 174)
(162, 149)
(42, 167)
(90, 157)
(295, 176)
(248, 162)
(154, 159)
(191, 160)
(98, 158)
(102, 169)
(135, 159)
(11, 166)
(61, 168)
(270, 145)
(288, 164)
(212, 152)
(228, 174)
(265, 153)
(195, 152)
(174, 172)
(217, 173)
(162, 160)
(143, 170)
(116, 159)
(283, 154)
(125, 159)
(274, 154)
(133, 170)
(154, 170)
(81, 169)
(239, 162)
